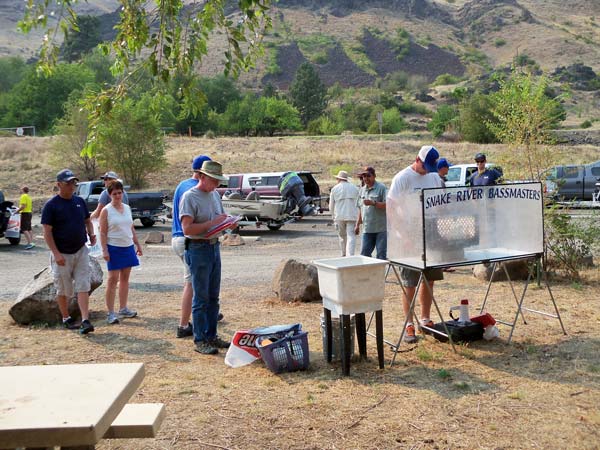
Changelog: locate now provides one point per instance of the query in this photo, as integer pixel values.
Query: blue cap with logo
(429, 156)
(443, 162)
(65, 176)
(198, 161)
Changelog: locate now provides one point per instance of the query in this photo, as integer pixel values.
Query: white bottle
(463, 310)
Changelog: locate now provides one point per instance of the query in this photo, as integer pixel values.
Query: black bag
(460, 331)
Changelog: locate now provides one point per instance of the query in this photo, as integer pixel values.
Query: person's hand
(368, 202)
(139, 250)
(105, 255)
(357, 229)
(59, 259)
(218, 219)
(93, 240)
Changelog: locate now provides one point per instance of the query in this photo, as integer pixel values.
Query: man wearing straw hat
(343, 202)
(200, 210)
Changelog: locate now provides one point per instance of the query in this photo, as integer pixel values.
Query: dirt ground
(541, 391)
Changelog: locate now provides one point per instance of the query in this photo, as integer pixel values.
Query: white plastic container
(352, 284)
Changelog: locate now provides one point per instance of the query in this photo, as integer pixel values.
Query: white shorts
(74, 276)
(178, 246)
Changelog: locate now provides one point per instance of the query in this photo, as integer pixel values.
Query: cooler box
(351, 284)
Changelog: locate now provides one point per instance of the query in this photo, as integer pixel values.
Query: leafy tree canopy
(82, 38)
(167, 37)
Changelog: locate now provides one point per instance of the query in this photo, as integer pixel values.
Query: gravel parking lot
(249, 265)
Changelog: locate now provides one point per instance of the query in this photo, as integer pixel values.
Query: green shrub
(400, 43)
(586, 124)
(392, 123)
(445, 78)
(499, 42)
(441, 120)
(414, 108)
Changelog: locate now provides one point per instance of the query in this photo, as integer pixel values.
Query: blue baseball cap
(65, 176)
(429, 156)
(198, 161)
(443, 162)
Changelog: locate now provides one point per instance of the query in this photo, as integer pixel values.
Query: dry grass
(542, 391)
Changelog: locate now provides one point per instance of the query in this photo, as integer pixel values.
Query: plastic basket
(287, 354)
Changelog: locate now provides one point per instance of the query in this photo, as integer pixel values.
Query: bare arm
(97, 211)
(49, 238)
(104, 234)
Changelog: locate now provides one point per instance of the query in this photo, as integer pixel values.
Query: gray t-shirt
(374, 219)
(201, 206)
(105, 198)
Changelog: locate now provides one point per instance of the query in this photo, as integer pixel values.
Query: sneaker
(86, 327)
(219, 317)
(127, 313)
(185, 331)
(428, 324)
(112, 318)
(29, 246)
(219, 343)
(206, 348)
(409, 334)
(70, 324)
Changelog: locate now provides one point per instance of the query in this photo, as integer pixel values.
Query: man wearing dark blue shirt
(66, 220)
(484, 176)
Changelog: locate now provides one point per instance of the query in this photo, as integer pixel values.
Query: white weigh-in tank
(351, 284)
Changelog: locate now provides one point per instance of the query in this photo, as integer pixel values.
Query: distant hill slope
(458, 37)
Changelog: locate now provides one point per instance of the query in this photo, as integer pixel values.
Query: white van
(458, 174)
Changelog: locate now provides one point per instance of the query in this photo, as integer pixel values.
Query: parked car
(10, 221)
(576, 182)
(265, 184)
(458, 174)
(146, 206)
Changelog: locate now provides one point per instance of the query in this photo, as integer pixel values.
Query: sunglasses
(70, 182)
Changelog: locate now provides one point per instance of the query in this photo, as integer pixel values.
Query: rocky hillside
(355, 42)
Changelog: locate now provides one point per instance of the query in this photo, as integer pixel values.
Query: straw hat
(213, 169)
(342, 175)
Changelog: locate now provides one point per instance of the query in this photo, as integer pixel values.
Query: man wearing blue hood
(421, 174)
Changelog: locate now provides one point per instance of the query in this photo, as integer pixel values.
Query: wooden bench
(137, 420)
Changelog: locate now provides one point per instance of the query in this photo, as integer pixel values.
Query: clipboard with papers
(225, 224)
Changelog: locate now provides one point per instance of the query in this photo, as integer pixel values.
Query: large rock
(36, 302)
(295, 281)
(232, 240)
(154, 237)
(517, 270)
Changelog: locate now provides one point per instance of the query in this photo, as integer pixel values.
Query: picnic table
(71, 405)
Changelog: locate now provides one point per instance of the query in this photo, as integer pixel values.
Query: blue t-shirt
(488, 178)
(67, 218)
(185, 185)
(105, 197)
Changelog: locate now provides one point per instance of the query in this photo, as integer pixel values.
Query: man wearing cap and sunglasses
(371, 215)
(200, 210)
(105, 199)
(421, 174)
(484, 176)
(66, 220)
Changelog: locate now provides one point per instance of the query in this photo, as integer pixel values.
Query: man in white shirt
(419, 175)
(343, 205)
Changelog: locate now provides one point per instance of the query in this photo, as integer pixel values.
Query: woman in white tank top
(120, 249)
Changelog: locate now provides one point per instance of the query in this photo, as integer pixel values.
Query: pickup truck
(146, 206)
(572, 182)
(458, 174)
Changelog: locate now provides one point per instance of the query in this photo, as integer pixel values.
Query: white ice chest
(351, 284)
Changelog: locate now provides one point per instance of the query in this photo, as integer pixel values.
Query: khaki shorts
(74, 276)
(410, 278)
(178, 246)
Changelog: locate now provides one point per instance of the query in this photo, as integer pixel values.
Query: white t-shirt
(119, 226)
(408, 181)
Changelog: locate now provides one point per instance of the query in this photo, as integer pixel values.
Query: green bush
(499, 42)
(392, 123)
(442, 119)
(474, 117)
(445, 78)
(586, 124)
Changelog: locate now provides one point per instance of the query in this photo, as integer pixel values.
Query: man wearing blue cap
(66, 220)
(185, 328)
(421, 174)
(484, 176)
(442, 169)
